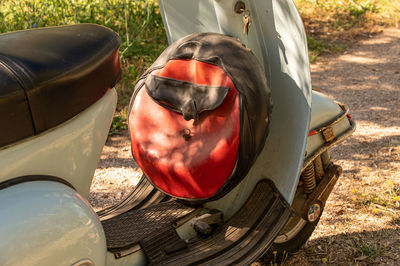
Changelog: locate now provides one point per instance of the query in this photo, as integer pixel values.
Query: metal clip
(328, 134)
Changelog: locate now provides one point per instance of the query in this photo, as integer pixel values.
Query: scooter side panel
(48, 223)
(69, 151)
(325, 111)
(277, 38)
(188, 16)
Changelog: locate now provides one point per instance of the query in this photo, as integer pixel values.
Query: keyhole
(240, 7)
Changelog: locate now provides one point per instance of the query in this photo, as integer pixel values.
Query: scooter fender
(49, 223)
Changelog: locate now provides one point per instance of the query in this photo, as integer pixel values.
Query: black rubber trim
(189, 99)
(32, 178)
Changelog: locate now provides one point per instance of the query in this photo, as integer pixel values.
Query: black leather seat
(49, 75)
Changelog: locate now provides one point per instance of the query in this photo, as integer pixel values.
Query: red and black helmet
(199, 116)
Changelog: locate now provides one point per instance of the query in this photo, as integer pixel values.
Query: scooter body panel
(276, 36)
(325, 112)
(69, 151)
(48, 223)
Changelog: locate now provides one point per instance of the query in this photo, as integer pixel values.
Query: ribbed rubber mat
(245, 237)
(142, 196)
(164, 242)
(126, 230)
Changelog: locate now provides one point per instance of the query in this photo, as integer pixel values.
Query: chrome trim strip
(84, 262)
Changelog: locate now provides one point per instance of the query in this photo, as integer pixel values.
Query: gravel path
(360, 224)
(116, 175)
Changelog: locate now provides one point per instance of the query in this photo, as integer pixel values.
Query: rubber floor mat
(126, 230)
(241, 240)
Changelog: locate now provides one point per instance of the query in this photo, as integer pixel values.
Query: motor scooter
(236, 162)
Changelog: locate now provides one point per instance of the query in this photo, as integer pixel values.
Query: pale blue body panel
(48, 223)
(69, 151)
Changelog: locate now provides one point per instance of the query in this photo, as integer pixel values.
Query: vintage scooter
(236, 162)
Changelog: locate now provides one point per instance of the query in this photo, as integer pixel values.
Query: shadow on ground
(367, 247)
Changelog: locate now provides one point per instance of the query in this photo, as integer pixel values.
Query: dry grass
(333, 25)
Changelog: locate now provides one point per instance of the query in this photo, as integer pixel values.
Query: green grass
(140, 26)
(118, 124)
(365, 249)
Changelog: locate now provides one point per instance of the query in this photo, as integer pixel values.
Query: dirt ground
(361, 222)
